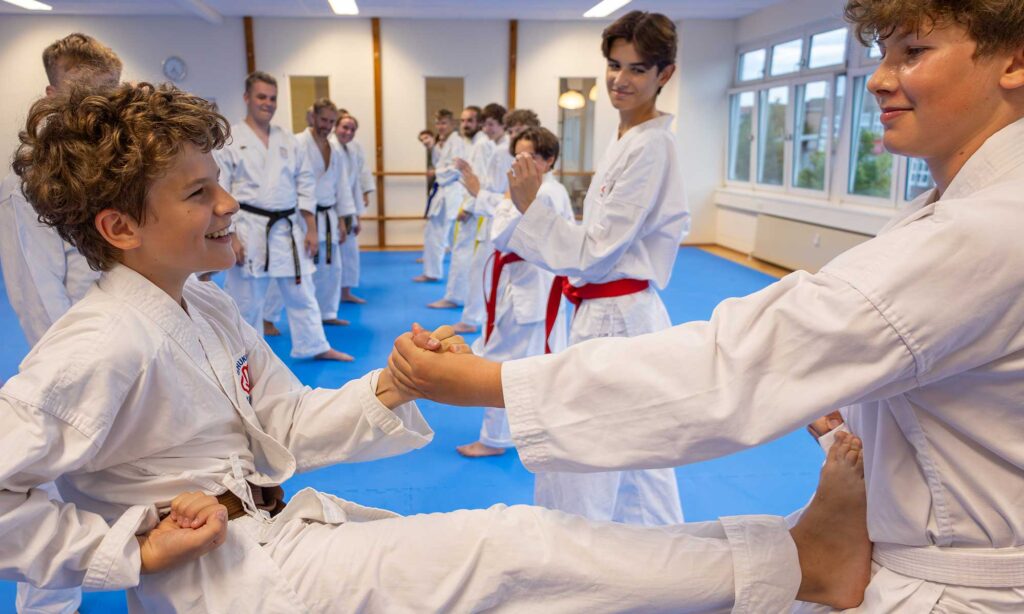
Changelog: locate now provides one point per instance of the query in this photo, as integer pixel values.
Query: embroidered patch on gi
(242, 371)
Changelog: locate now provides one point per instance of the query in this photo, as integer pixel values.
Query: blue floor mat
(774, 478)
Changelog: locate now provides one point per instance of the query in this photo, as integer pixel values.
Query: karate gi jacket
(526, 286)
(350, 180)
(918, 334)
(133, 401)
(493, 180)
(450, 193)
(43, 273)
(331, 183)
(276, 178)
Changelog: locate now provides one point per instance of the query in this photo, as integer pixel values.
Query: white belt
(976, 567)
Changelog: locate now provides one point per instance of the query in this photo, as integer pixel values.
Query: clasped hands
(197, 524)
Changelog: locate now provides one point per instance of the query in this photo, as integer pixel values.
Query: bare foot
(424, 278)
(479, 450)
(270, 329)
(463, 328)
(333, 354)
(348, 297)
(832, 535)
(443, 304)
(336, 322)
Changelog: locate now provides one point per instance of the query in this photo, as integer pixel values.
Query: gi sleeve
(763, 366)
(346, 202)
(305, 181)
(34, 262)
(366, 181)
(52, 422)
(591, 251)
(321, 426)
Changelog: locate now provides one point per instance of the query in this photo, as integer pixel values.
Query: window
(812, 133)
(919, 179)
(874, 52)
(577, 100)
(752, 65)
(828, 48)
(870, 164)
(787, 57)
(741, 136)
(771, 153)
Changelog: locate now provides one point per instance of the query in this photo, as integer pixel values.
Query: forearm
(310, 220)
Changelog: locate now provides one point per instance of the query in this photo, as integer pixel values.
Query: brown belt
(267, 498)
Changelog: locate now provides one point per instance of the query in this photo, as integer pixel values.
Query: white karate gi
(445, 206)
(133, 400)
(465, 233)
(44, 276)
(276, 178)
(474, 312)
(918, 334)
(634, 218)
(354, 184)
(520, 309)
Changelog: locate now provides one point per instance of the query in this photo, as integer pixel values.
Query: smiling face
(443, 126)
(187, 217)
(632, 83)
(493, 128)
(938, 100)
(469, 123)
(261, 101)
(324, 121)
(346, 130)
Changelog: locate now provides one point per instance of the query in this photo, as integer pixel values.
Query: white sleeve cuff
(117, 562)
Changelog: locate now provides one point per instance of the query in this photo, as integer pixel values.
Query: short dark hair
(443, 114)
(323, 103)
(259, 75)
(427, 132)
(82, 52)
(475, 109)
(522, 117)
(994, 25)
(494, 111)
(652, 34)
(545, 143)
(347, 115)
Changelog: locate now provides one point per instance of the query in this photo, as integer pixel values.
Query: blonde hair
(93, 149)
(79, 52)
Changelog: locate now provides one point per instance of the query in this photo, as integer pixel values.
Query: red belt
(500, 260)
(576, 296)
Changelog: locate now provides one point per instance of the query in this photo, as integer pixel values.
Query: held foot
(333, 354)
(478, 449)
(270, 329)
(832, 535)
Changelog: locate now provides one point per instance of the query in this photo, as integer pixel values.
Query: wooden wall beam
(250, 47)
(513, 47)
(378, 110)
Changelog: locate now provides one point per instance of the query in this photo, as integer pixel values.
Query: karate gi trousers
(637, 496)
(300, 303)
(463, 244)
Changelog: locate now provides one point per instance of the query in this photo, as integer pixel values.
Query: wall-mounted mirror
(304, 92)
(577, 99)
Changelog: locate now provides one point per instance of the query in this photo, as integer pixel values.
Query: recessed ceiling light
(31, 5)
(344, 7)
(606, 8)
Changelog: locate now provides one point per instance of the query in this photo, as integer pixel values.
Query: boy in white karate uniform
(356, 185)
(517, 299)
(154, 384)
(917, 334)
(464, 234)
(44, 274)
(275, 235)
(444, 207)
(634, 218)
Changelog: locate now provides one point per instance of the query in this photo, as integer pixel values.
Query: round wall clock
(175, 68)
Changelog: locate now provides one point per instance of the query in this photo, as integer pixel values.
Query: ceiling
(215, 10)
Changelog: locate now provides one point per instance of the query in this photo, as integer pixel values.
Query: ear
(118, 229)
(1013, 76)
(245, 97)
(51, 91)
(666, 74)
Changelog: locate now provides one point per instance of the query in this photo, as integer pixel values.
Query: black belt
(274, 217)
(329, 234)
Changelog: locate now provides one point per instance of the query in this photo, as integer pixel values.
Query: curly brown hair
(95, 149)
(995, 25)
(652, 34)
(521, 117)
(545, 143)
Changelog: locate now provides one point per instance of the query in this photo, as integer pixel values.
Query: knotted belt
(328, 232)
(267, 498)
(274, 217)
(976, 567)
(561, 287)
(500, 260)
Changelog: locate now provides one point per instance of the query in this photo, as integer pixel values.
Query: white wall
(786, 16)
(704, 74)
(214, 54)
